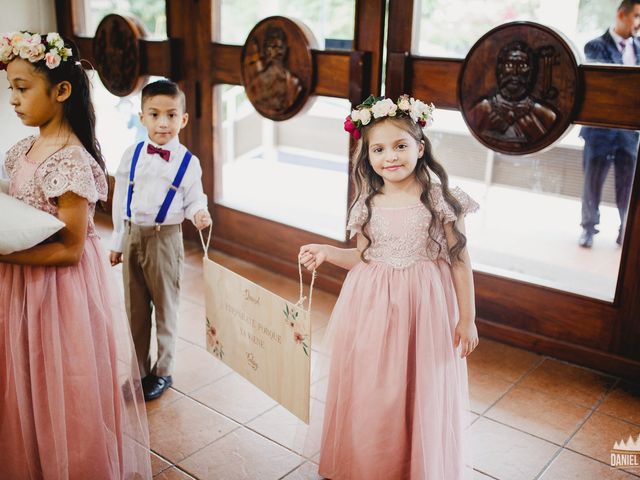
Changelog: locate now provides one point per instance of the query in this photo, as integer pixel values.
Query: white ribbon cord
(300, 302)
(205, 246)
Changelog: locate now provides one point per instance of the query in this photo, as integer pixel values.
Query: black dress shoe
(586, 239)
(155, 386)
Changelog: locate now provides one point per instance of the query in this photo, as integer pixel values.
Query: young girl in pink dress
(70, 402)
(397, 399)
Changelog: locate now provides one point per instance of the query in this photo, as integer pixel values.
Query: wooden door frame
(343, 74)
(579, 329)
(587, 331)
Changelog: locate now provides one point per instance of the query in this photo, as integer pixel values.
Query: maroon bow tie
(165, 154)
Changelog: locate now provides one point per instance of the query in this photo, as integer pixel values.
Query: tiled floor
(534, 417)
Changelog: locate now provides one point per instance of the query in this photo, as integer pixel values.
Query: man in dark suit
(604, 146)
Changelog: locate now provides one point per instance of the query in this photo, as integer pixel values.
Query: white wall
(35, 16)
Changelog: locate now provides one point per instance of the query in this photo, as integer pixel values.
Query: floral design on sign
(291, 318)
(213, 344)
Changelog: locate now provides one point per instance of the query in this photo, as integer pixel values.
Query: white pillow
(23, 226)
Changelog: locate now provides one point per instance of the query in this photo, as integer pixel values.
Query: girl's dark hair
(78, 108)
(369, 184)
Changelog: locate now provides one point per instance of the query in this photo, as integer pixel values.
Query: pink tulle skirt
(71, 405)
(397, 398)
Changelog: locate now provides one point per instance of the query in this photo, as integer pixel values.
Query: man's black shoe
(154, 386)
(586, 239)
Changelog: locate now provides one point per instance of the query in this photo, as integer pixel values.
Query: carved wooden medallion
(277, 67)
(116, 51)
(518, 86)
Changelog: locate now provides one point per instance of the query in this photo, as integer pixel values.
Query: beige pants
(152, 270)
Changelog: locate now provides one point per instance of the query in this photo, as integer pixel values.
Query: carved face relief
(514, 73)
(117, 55)
(277, 67)
(528, 103)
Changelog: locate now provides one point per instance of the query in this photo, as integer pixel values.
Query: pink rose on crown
(36, 53)
(403, 103)
(52, 59)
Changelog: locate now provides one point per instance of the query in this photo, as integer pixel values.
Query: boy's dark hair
(627, 5)
(78, 108)
(164, 87)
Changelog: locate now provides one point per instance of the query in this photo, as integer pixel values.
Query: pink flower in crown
(351, 127)
(6, 50)
(403, 103)
(16, 39)
(52, 59)
(36, 53)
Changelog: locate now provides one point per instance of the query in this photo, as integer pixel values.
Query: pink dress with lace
(397, 395)
(70, 408)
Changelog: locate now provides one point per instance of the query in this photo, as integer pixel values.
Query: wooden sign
(116, 50)
(518, 86)
(260, 335)
(277, 67)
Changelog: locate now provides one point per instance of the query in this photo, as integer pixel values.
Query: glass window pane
(151, 13)
(448, 28)
(117, 121)
(528, 227)
(293, 172)
(331, 21)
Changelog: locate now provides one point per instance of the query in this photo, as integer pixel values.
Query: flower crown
(379, 107)
(33, 47)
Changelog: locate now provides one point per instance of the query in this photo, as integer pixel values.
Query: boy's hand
(202, 219)
(312, 255)
(115, 258)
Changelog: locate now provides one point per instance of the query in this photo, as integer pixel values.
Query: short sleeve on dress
(357, 216)
(446, 212)
(73, 170)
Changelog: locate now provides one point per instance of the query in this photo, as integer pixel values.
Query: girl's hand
(115, 258)
(202, 219)
(466, 336)
(313, 255)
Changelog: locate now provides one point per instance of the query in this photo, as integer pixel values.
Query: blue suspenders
(164, 209)
(132, 172)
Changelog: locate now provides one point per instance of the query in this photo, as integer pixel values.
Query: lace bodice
(40, 183)
(399, 235)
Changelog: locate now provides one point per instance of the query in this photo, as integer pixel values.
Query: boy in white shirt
(158, 185)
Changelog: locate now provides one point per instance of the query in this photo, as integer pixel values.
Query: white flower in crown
(384, 108)
(52, 59)
(36, 53)
(365, 116)
(65, 52)
(33, 39)
(403, 103)
(16, 39)
(421, 113)
(53, 37)
(6, 50)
